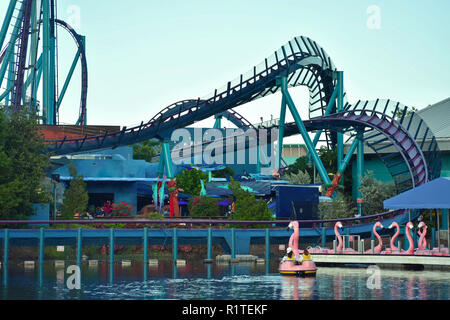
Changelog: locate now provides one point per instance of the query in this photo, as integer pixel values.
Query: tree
(202, 206)
(374, 192)
(75, 197)
(302, 177)
(189, 180)
(23, 162)
(146, 150)
(247, 207)
(339, 207)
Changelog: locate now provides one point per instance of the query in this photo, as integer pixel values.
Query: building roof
(437, 117)
(431, 195)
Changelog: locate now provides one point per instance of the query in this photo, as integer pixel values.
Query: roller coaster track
(302, 62)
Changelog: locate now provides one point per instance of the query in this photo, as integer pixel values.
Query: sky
(143, 55)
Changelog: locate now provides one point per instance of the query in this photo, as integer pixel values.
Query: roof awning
(431, 195)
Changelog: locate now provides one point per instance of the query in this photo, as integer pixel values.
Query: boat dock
(410, 262)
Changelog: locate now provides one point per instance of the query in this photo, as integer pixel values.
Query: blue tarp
(431, 195)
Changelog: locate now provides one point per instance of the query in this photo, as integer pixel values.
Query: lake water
(215, 282)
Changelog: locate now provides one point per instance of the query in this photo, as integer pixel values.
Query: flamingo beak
(391, 226)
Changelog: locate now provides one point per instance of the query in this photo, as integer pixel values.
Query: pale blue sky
(143, 54)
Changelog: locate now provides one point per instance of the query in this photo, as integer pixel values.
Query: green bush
(247, 207)
(189, 180)
(203, 207)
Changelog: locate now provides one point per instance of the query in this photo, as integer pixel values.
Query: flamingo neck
(393, 247)
(377, 236)
(422, 240)
(410, 240)
(341, 244)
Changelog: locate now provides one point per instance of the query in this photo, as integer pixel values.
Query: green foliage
(146, 150)
(203, 207)
(301, 177)
(75, 197)
(121, 209)
(155, 216)
(22, 164)
(189, 180)
(223, 173)
(409, 112)
(247, 207)
(374, 192)
(336, 209)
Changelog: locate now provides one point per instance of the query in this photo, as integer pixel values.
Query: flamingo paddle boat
(288, 267)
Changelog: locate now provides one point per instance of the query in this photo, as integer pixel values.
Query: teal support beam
(233, 243)
(41, 245)
(348, 156)
(111, 246)
(7, 21)
(433, 238)
(218, 122)
(281, 129)
(175, 244)
(267, 245)
(68, 78)
(5, 247)
(11, 44)
(167, 160)
(79, 245)
(298, 121)
(445, 219)
(52, 63)
(347, 240)
(46, 64)
(10, 82)
(340, 108)
(324, 237)
(209, 244)
(359, 170)
(328, 110)
(33, 53)
(161, 164)
(30, 79)
(145, 253)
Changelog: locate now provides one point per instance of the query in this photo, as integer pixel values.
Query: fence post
(267, 244)
(145, 253)
(324, 238)
(5, 247)
(41, 245)
(175, 244)
(79, 248)
(233, 253)
(111, 245)
(209, 244)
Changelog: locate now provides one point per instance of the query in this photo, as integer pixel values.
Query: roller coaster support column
(7, 21)
(329, 109)
(48, 64)
(281, 129)
(218, 122)
(165, 160)
(11, 45)
(301, 127)
(359, 169)
(340, 108)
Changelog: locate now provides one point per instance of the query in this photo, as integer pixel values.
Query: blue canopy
(431, 195)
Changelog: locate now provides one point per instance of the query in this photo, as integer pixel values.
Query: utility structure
(29, 60)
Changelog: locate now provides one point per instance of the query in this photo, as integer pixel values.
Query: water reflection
(216, 281)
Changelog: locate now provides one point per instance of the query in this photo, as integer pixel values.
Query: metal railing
(190, 222)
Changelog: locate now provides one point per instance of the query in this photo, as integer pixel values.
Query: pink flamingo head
(422, 225)
(410, 225)
(394, 224)
(293, 225)
(377, 225)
